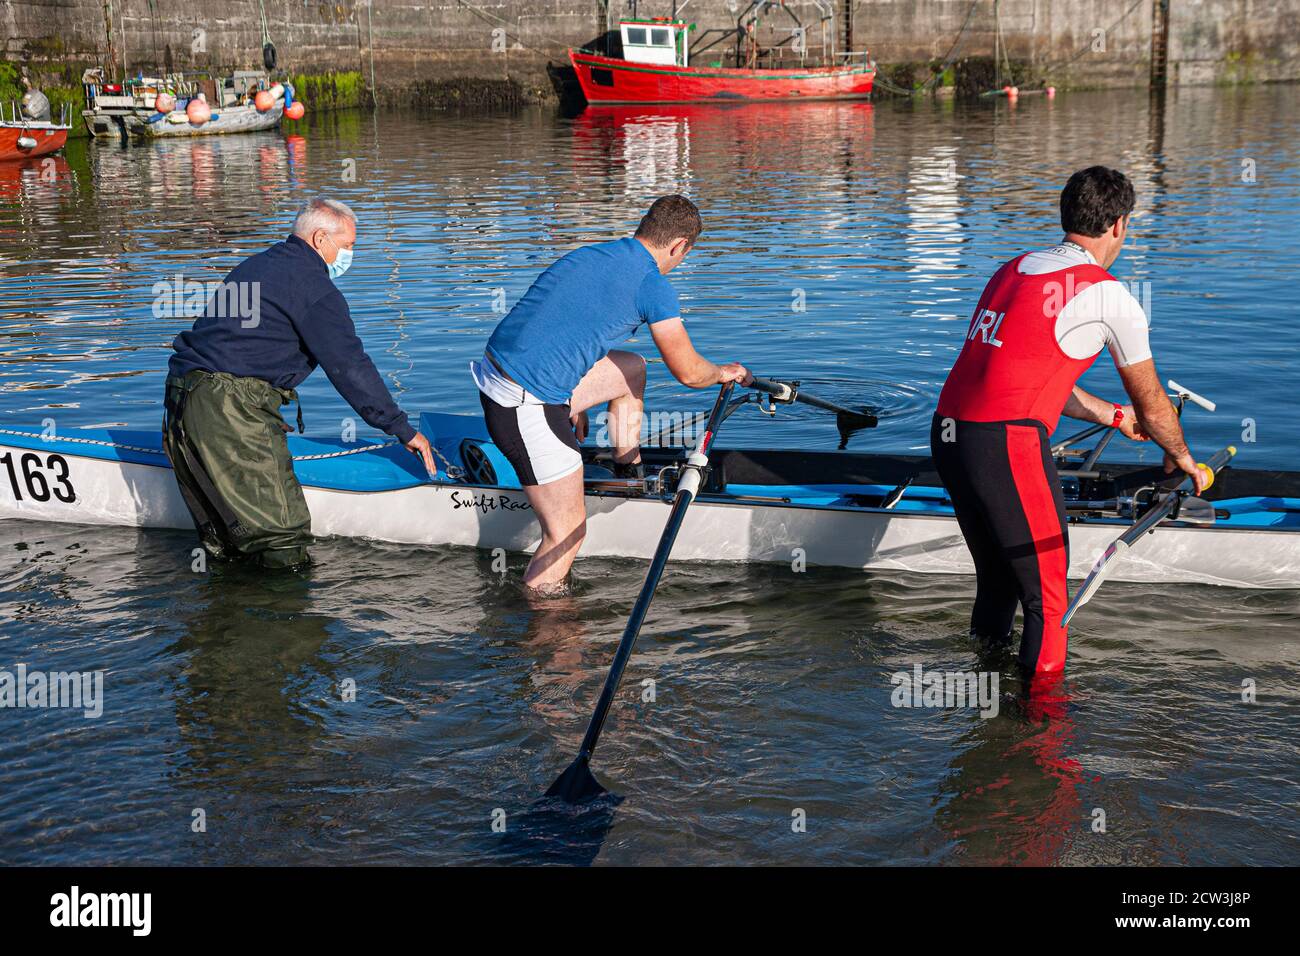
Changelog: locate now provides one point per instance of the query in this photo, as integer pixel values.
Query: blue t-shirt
(585, 303)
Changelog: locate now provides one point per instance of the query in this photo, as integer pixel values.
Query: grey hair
(322, 213)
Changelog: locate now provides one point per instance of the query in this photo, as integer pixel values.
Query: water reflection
(251, 664)
(1012, 795)
(222, 693)
(934, 233)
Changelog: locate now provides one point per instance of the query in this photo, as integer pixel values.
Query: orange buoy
(295, 110)
(1051, 92)
(198, 111)
(263, 101)
(164, 103)
(1013, 91)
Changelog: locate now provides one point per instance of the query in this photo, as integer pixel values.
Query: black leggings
(1005, 491)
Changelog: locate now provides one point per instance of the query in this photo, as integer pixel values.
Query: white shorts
(536, 438)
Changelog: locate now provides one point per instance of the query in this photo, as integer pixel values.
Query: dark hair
(670, 218)
(1093, 199)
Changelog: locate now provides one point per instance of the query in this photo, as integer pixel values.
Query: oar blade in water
(554, 832)
(577, 784)
(848, 422)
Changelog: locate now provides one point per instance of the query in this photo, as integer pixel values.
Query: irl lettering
(985, 325)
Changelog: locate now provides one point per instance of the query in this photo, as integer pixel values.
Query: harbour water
(845, 244)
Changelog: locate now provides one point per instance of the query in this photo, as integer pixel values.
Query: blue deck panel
(446, 432)
(385, 469)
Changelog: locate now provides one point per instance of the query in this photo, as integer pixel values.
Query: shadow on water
(552, 831)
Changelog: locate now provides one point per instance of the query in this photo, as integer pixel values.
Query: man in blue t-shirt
(550, 360)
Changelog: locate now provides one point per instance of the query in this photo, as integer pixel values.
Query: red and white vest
(1011, 366)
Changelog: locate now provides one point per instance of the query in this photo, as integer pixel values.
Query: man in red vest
(1043, 319)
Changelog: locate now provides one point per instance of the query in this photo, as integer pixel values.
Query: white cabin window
(653, 43)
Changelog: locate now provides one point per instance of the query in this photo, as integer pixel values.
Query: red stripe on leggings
(1025, 453)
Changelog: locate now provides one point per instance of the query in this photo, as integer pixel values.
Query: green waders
(225, 439)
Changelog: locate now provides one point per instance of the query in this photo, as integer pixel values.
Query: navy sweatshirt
(302, 321)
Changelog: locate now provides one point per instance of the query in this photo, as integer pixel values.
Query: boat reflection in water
(637, 153)
(33, 180)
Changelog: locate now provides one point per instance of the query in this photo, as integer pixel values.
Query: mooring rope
(1087, 47)
(504, 24)
(344, 452)
(948, 59)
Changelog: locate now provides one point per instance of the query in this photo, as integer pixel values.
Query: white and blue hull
(380, 495)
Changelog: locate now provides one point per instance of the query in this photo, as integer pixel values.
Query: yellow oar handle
(1209, 474)
(1209, 470)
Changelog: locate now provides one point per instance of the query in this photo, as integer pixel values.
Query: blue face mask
(341, 261)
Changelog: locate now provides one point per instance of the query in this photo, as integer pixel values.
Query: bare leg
(619, 379)
(562, 513)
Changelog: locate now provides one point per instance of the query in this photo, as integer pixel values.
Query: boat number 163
(39, 478)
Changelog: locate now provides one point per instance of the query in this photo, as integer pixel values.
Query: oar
(1088, 432)
(1179, 392)
(1152, 517)
(660, 440)
(577, 784)
(847, 420)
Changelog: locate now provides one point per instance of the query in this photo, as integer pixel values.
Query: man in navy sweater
(275, 318)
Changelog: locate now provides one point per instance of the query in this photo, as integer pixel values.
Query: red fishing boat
(768, 55)
(22, 137)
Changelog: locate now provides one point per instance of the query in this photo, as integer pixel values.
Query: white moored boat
(152, 107)
(823, 508)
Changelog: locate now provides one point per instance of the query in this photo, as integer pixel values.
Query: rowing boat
(814, 508)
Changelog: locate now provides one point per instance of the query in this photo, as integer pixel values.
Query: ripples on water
(883, 222)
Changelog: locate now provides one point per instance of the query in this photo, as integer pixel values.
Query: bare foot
(549, 592)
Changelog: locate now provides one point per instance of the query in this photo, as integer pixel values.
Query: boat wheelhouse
(664, 42)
